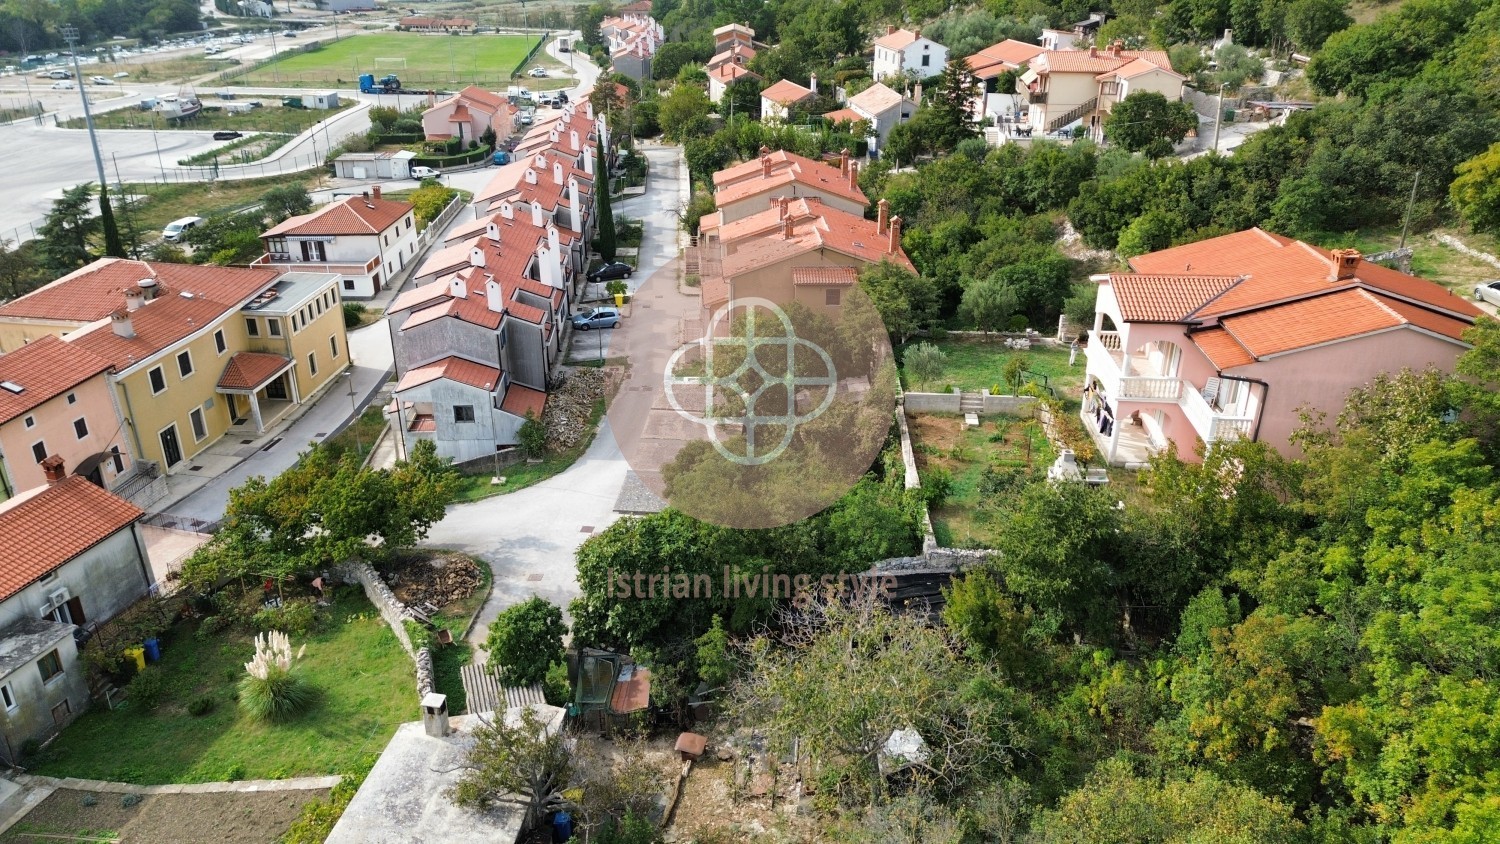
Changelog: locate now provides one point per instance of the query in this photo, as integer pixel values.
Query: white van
(177, 228)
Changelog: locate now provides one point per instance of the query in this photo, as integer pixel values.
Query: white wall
(106, 579)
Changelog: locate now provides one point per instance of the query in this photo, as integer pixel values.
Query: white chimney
(553, 240)
(134, 298)
(530, 176)
(588, 161)
(492, 231)
(457, 288)
(536, 214)
(476, 257)
(149, 288)
(557, 173)
(507, 211)
(435, 715)
(546, 264)
(573, 140)
(575, 209)
(493, 296)
(588, 108)
(812, 83)
(120, 322)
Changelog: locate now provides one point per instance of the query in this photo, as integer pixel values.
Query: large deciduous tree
(525, 640)
(1144, 119)
(907, 302)
(1476, 191)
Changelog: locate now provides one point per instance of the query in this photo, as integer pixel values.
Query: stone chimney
(883, 216)
(844, 161)
(435, 715)
(149, 288)
(787, 229)
(1093, 52)
(917, 33)
(765, 166)
(890, 29)
(52, 468)
(536, 214)
(1345, 263)
(895, 241)
(375, 191)
(476, 257)
(493, 297)
(765, 150)
(1116, 47)
(781, 205)
(457, 287)
(134, 299)
(854, 174)
(120, 322)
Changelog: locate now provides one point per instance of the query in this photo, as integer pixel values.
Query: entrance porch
(260, 390)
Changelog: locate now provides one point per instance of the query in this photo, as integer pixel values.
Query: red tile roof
(843, 115)
(40, 531)
(788, 169)
(44, 368)
(898, 40)
(157, 325)
(998, 58)
(1221, 349)
(92, 292)
(251, 370)
(1308, 322)
(519, 400)
(453, 369)
(1166, 298)
(1102, 61)
(727, 73)
(786, 92)
(351, 215)
(815, 227)
(824, 276)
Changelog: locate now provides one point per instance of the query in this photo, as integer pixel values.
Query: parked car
(177, 228)
(523, 119)
(538, 72)
(1488, 292)
(62, 86)
(596, 318)
(226, 135)
(121, 75)
(100, 80)
(290, 33)
(618, 269)
(425, 173)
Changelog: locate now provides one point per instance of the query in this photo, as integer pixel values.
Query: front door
(276, 390)
(171, 450)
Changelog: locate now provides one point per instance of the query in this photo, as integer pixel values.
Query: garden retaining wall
(950, 402)
(394, 612)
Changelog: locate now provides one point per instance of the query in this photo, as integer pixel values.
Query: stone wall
(1013, 405)
(394, 612)
(950, 403)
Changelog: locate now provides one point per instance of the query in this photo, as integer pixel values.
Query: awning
(247, 372)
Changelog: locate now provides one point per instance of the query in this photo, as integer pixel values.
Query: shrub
(293, 616)
(525, 640)
(937, 483)
(1016, 323)
(199, 706)
(533, 437)
(233, 773)
(616, 287)
(212, 626)
(998, 480)
(318, 816)
(555, 686)
(271, 689)
(420, 636)
(353, 313)
(129, 800)
(924, 362)
(148, 687)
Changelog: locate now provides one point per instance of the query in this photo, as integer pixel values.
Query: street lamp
(70, 34)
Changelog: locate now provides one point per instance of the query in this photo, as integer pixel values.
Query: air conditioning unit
(55, 600)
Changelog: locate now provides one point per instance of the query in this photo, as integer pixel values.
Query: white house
(777, 101)
(901, 50)
(71, 554)
(883, 108)
(364, 239)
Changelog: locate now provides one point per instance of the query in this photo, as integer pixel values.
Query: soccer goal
(390, 63)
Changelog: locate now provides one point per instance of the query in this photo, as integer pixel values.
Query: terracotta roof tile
(898, 40)
(1079, 61)
(741, 181)
(251, 370)
(1307, 322)
(843, 115)
(824, 276)
(157, 325)
(92, 292)
(1426, 319)
(42, 530)
(1166, 298)
(351, 215)
(824, 228)
(727, 73)
(519, 400)
(1221, 349)
(786, 92)
(453, 369)
(44, 368)
(1006, 55)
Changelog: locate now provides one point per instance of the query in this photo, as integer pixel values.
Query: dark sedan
(618, 269)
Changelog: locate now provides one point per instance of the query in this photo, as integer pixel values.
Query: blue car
(596, 318)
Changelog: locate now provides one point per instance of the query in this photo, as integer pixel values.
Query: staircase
(1076, 114)
(971, 402)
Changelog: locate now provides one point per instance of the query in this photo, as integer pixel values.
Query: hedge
(438, 162)
(401, 138)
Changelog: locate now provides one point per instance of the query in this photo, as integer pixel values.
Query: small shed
(374, 165)
(325, 100)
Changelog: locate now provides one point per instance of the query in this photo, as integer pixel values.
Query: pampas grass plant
(272, 689)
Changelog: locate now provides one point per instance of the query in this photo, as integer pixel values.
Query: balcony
(292, 263)
(1036, 97)
(1107, 360)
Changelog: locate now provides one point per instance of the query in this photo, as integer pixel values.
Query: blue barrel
(562, 827)
(153, 650)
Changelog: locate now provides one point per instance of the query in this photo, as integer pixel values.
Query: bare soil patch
(217, 818)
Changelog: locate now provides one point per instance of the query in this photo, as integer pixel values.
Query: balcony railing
(1150, 388)
(1037, 97)
(292, 262)
(1213, 425)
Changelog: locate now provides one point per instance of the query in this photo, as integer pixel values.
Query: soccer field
(422, 61)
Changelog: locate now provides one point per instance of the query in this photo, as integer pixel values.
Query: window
(31, 421)
(831, 295)
(252, 326)
(81, 427)
(463, 413)
(72, 398)
(50, 665)
(926, 60)
(200, 428)
(295, 317)
(39, 451)
(312, 362)
(114, 452)
(158, 380)
(9, 697)
(348, 284)
(333, 347)
(312, 250)
(273, 327)
(386, 239)
(219, 343)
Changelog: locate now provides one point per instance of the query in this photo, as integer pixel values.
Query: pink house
(467, 114)
(1233, 336)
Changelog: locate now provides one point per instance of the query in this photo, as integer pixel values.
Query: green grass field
(432, 61)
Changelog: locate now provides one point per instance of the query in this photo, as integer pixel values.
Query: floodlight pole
(70, 34)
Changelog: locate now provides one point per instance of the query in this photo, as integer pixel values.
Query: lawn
(159, 204)
(1431, 259)
(968, 517)
(522, 475)
(366, 688)
(979, 364)
(430, 61)
(272, 117)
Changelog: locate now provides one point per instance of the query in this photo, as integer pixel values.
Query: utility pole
(112, 245)
(275, 70)
(1410, 203)
(1219, 118)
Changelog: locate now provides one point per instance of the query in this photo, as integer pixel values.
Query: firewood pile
(438, 581)
(569, 407)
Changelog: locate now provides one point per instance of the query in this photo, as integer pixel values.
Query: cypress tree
(606, 229)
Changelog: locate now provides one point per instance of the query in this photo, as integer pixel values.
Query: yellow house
(214, 351)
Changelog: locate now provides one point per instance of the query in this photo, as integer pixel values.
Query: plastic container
(153, 650)
(562, 827)
(138, 655)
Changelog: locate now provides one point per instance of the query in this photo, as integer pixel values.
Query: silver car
(1488, 291)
